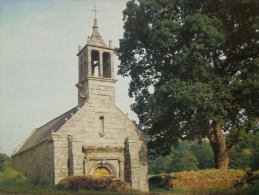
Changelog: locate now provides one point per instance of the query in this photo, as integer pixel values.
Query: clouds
(38, 45)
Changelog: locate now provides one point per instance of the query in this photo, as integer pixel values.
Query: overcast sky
(39, 41)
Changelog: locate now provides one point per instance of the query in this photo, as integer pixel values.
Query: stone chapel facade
(95, 137)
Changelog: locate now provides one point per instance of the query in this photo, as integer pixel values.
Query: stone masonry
(93, 136)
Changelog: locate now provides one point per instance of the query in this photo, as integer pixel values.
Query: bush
(207, 179)
(11, 179)
(253, 190)
(5, 162)
(91, 182)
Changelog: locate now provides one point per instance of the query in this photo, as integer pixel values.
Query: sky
(39, 41)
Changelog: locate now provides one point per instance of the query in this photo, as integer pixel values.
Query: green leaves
(186, 156)
(5, 162)
(201, 57)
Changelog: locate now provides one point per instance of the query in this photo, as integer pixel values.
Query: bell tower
(96, 70)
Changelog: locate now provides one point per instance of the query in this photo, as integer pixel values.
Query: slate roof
(44, 132)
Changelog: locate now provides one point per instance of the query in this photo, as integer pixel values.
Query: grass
(12, 182)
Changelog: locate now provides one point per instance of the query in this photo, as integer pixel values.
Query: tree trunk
(218, 144)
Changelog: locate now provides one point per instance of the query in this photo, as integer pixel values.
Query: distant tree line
(189, 156)
(5, 162)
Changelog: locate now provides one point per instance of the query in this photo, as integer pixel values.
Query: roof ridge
(56, 118)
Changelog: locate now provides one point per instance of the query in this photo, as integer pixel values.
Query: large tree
(194, 70)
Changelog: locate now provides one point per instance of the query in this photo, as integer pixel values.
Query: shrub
(207, 179)
(253, 190)
(11, 179)
(91, 182)
(5, 162)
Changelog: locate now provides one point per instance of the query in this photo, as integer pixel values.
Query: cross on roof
(95, 11)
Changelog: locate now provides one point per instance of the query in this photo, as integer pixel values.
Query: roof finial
(95, 11)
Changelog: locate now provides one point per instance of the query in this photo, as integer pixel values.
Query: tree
(182, 145)
(183, 160)
(180, 159)
(204, 154)
(5, 162)
(194, 70)
(239, 159)
(159, 165)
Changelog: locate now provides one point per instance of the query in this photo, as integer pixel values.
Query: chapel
(94, 137)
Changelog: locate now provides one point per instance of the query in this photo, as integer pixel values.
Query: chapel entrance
(101, 171)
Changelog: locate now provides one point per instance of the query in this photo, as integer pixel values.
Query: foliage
(204, 154)
(11, 179)
(199, 154)
(182, 145)
(185, 157)
(239, 159)
(207, 179)
(194, 69)
(253, 190)
(5, 162)
(255, 159)
(159, 165)
(92, 182)
(13, 182)
(183, 161)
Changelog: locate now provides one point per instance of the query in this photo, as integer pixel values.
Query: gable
(44, 132)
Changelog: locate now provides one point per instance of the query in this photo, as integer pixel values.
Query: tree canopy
(194, 70)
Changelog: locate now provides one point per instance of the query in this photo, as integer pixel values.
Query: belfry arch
(107, 65)
(95, 63)
(101, 64)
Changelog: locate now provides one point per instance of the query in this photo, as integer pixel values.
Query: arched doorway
(101, 171)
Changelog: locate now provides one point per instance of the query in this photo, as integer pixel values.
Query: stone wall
(60, 143)
(36, 163)
(86, 131)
